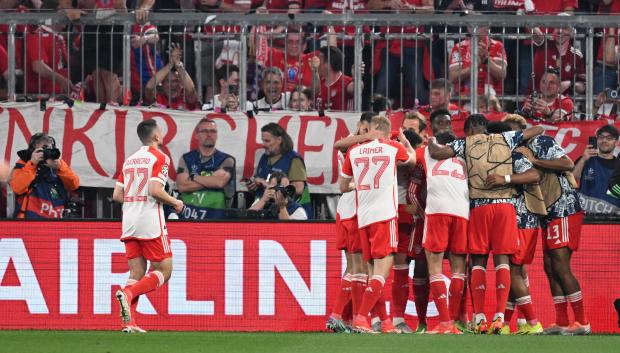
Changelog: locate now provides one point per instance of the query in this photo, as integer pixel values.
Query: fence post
(243, 70)
(589, 73)
(198, 62)
(357, 61)
(11, 54)
(126, 62)
(473, 74)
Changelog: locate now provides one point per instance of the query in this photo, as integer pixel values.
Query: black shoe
(617, 306)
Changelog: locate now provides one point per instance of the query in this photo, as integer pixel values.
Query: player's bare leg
(560, 265)
(421, 291)
(335, 321)
(158, 275)
(400, 292)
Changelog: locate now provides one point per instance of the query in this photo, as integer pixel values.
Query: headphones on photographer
(37, 137)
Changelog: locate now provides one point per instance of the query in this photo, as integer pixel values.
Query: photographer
(548, 105)
(41, 180)
(279, 200)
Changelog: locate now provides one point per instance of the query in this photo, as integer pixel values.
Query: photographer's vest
(205, 203)
(593, 178)
(283, 165)
(485, 155)
(45, 197)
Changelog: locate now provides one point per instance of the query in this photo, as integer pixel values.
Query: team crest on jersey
(164, 170)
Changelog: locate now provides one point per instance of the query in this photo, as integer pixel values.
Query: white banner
(96, 142)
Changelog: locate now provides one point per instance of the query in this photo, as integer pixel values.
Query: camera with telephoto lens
(288, 191)
(611, 94)
(50, 153)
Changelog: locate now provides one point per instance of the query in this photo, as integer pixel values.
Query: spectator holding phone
(593, 170)
(228, 98)
(549, 105)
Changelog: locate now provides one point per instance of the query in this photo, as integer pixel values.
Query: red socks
(440, 295)
(502, 287)
(372, 294)
(400, 290)
(134, 300)
(344, 295)
(421, 291)
(576, 302)
(148, 283)
(358, 287)
(457, 286)
(561, 311)
(478, 288)
(525, 306)
(509, 311)
(379, 309)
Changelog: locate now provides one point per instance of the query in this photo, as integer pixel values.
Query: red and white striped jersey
(446, 184)
(143, 216)
(346, 208)
(373, 167)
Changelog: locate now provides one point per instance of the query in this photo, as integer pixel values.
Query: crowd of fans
(304, 67)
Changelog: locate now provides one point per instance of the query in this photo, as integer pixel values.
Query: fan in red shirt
(336, 87)
(439, 98)
(606, 68)
(46, 62)
(294, 63)
(172, 87)
(492, 65)
(560, 53)
(411, 51)
(549, 105)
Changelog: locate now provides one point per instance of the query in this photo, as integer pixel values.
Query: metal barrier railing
(192, 58)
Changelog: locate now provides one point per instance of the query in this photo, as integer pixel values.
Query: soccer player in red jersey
(140, 188)
(353, 283)
(492, 209)
(373, 167)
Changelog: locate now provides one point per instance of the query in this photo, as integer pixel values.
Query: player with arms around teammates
(372, 165)
(140, 188)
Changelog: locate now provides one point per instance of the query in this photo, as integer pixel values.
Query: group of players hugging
(493, 192)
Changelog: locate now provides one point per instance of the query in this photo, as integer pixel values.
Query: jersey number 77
(381, 162)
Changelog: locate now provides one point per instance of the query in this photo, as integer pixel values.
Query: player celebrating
(140, 188)
(445, 229)
(492, 225)
(528, 205)
(373, 167)
(562, 230)
(353, 283)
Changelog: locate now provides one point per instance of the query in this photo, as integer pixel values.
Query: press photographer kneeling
(41, 180)
(278, 199)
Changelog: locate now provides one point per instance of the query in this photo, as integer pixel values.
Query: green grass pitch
(229, 342)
